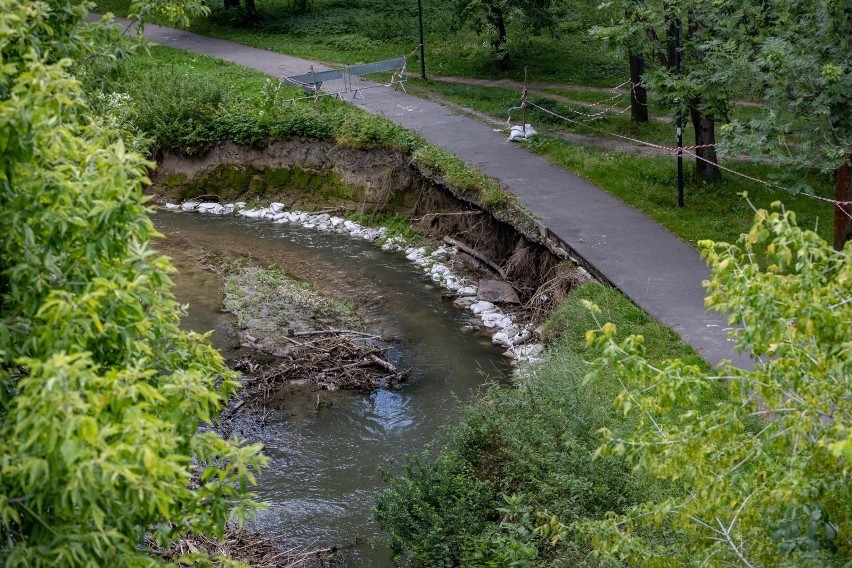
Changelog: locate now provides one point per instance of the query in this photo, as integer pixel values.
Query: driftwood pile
(331, 359)
(254, 549)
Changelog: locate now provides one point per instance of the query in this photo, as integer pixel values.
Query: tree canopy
(102, 396)
(766, 472)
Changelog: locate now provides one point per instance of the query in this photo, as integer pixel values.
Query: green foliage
(101, 394)
(463, 177)
(767, 470)
(434, 511)
(527, 450)
(796, 58)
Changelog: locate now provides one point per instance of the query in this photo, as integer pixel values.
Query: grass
(713, 211)
(357, 31)
(497, 102)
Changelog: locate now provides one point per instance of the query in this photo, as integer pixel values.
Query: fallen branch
(383, 364)
(329, 331)
(476, 254)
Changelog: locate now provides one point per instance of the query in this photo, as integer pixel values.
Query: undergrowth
(516, 477)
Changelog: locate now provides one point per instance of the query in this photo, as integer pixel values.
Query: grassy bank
(185, 102)
(522, 456)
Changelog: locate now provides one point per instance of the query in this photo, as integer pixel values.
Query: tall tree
(647, 27)
(765, 471)
(101, 393)
(493, 17)
(795, 57)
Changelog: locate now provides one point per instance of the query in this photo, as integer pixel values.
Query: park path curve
(653, 267)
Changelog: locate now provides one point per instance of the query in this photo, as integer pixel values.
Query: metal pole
(680, 202)
(422, 50)
(524, 103)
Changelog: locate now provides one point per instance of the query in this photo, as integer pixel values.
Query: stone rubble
(517, 339)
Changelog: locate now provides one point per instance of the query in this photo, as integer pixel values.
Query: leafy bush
(102, 394)
(529, 450)
(765, 471)
(435, 511)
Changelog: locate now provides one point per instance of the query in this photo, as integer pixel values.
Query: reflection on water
(325, 466)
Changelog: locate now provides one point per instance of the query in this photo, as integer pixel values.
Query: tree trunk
(250, 8)
(706, 168)
(232, 3)
(843, 192)
(638, 93)
(498, 44)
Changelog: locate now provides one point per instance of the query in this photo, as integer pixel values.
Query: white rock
(335, 221)
(350, 226)
(467, 291)
(482, 307)
(464, 302)
(172, 206)
(500, 338)
(439, 269)
(511, 331)
(189, 206)
(496, 319)
(309, 225)
(528, 352)
(276, 207)
(211, 208)
(324, 227)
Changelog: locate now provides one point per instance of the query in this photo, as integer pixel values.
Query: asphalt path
(653, 267)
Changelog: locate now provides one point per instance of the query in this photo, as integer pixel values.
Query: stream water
(325, 464)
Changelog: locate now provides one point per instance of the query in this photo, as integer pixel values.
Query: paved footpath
(651, 266)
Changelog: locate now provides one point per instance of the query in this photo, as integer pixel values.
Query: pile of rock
(519, 340)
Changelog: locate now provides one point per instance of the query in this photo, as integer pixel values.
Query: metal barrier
(335, 83)
(339, 81)
(397, 78)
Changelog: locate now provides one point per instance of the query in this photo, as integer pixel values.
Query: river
(325, 464)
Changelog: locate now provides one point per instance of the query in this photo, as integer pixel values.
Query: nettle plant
(102, 396)
(765, 472)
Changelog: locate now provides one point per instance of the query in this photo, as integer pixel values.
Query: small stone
(482, 307)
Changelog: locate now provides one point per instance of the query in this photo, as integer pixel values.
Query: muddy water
(324, 470)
